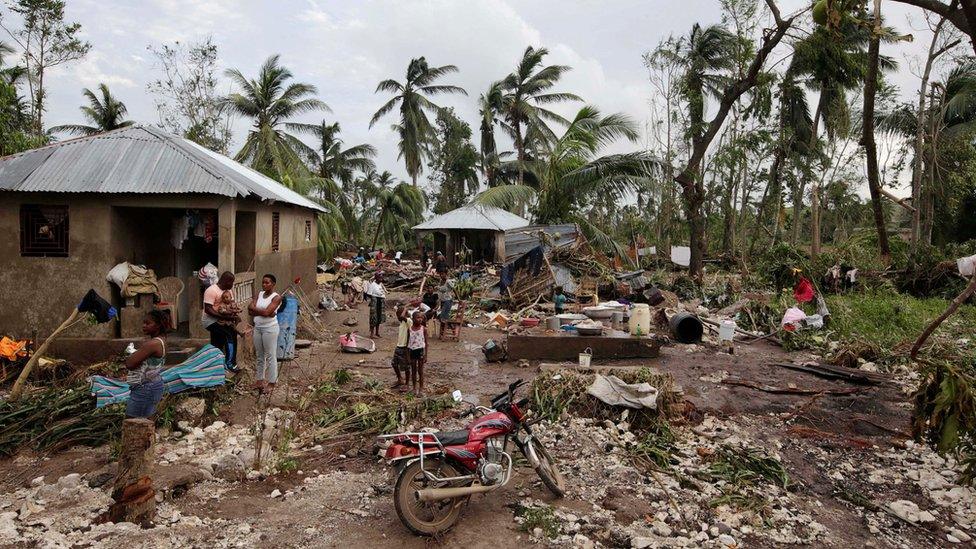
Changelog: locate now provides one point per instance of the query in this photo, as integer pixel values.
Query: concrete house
(475, 227)
(71, 211)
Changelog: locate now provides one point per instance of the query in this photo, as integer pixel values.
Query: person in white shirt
(376, 293)
(264, 311)
(397, 257)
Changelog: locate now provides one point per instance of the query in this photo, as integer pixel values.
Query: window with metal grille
(43, 231)
(308, 230)
(275, 230)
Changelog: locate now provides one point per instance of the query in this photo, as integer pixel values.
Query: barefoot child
(417, 345)
(401, 356)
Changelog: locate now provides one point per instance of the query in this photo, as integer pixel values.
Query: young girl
(145, 365)
(417, 346)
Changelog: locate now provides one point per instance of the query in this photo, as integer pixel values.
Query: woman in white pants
(264, 310)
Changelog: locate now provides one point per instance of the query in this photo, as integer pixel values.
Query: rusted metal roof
(138, 159)
(474, 217)
(519, 241)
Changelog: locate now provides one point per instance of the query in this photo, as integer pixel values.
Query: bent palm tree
(104, 114)
(525, 90)
(414, 127)
(334, 163)
(399, 208)
(573, 177)
(270, 100)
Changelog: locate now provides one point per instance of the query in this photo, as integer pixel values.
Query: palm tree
(707, 53)
(573, 176)
(104, 114)
(396, 208)
(270, 100)
(490, 105)
(334, 163)
(525, 90)
(414, 127)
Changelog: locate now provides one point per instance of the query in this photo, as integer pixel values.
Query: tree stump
(135, 498)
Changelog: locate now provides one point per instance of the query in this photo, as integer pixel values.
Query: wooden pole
(18, 388)
(135, 498)
(956, 303)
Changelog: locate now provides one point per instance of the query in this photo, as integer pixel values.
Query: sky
(345, 48)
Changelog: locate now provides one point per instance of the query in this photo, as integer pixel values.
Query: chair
(454, 324)
(170, 290)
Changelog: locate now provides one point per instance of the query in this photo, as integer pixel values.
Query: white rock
(275, 493)
(959, 534)
(727, 540)
(69, 481)
(905, 510)
(579, 540)
(952, 539)
(641, 542)
(37, 481)
(925, 516)
(661, 529)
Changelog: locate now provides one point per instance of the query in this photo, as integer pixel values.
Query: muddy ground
(846, 455)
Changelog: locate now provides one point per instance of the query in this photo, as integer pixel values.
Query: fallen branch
(834, 372)
(956, 303)
(787, 390)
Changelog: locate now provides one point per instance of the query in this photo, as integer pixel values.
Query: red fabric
(803, 291)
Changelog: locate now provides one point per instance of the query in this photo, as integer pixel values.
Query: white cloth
(375, 289)
(262, 303)
(415, 339)
(615, 392)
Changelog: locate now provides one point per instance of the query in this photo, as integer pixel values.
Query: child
(445, 294)
(376, 293)
(228, 306)
(417, 345)
(559, 300)
(430, 300)
(401, 356)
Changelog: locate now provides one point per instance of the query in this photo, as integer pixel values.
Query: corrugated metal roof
(475, 217)
(519, 241)
(138, 159)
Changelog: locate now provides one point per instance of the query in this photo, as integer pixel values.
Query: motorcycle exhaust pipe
(437, 494)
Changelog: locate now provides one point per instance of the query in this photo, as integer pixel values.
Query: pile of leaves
(565, 391)
(742, 472)
(368, 409)
(57, 418)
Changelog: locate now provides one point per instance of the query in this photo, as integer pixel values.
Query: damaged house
(474, 229)
(73, 210)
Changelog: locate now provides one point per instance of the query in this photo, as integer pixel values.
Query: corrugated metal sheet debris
(474, 217)
(519, 241)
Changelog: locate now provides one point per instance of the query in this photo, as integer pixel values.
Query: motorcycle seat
(447, 438)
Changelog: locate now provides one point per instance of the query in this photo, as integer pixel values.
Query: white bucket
(585, 357)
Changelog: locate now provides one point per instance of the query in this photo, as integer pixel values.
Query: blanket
(205, 368)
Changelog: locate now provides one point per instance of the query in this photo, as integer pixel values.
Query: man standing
(440, 265)
(222, 336)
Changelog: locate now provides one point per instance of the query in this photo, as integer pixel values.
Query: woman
(264, 311)
(145, 367)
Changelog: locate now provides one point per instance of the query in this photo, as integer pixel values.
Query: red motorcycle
(440, 471)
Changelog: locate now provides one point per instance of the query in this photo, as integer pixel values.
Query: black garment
(224, 337)
(430, 300)
(98, 307)
(440, 266)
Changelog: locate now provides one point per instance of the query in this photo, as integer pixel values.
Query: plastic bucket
(585, 357)
(618, 320)
(552, 323)
(686, 328)
(640, 320)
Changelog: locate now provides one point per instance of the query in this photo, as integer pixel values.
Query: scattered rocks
(191, 410)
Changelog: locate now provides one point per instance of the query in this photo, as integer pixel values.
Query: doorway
(245, 232)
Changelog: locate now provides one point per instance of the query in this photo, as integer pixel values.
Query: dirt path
(839, 450)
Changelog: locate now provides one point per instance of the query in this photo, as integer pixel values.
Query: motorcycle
(439, 472)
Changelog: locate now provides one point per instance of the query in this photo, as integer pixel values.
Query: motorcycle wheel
(547, 470)
(425, 518)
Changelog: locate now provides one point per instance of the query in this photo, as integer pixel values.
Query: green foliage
(415, 130)
(342, 376)
(945, 405)
(657, 445)
(888, 319)
(543, 518)
(270, 100)
(104, 114)
(453, 162)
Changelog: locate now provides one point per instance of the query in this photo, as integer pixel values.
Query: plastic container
(640, 320)
(585, 357)
(552, 323)
(287, 326)
(686, 328)
(617, 320)
(726, 331)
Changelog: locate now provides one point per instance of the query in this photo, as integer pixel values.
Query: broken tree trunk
(135, 498)
(18, 388)
(959, 300)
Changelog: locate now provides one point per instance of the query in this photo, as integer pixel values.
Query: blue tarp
(205, 368)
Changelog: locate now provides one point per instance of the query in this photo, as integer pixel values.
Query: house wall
(38, 293)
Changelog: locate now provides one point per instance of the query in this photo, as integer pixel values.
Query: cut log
(135, 498)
